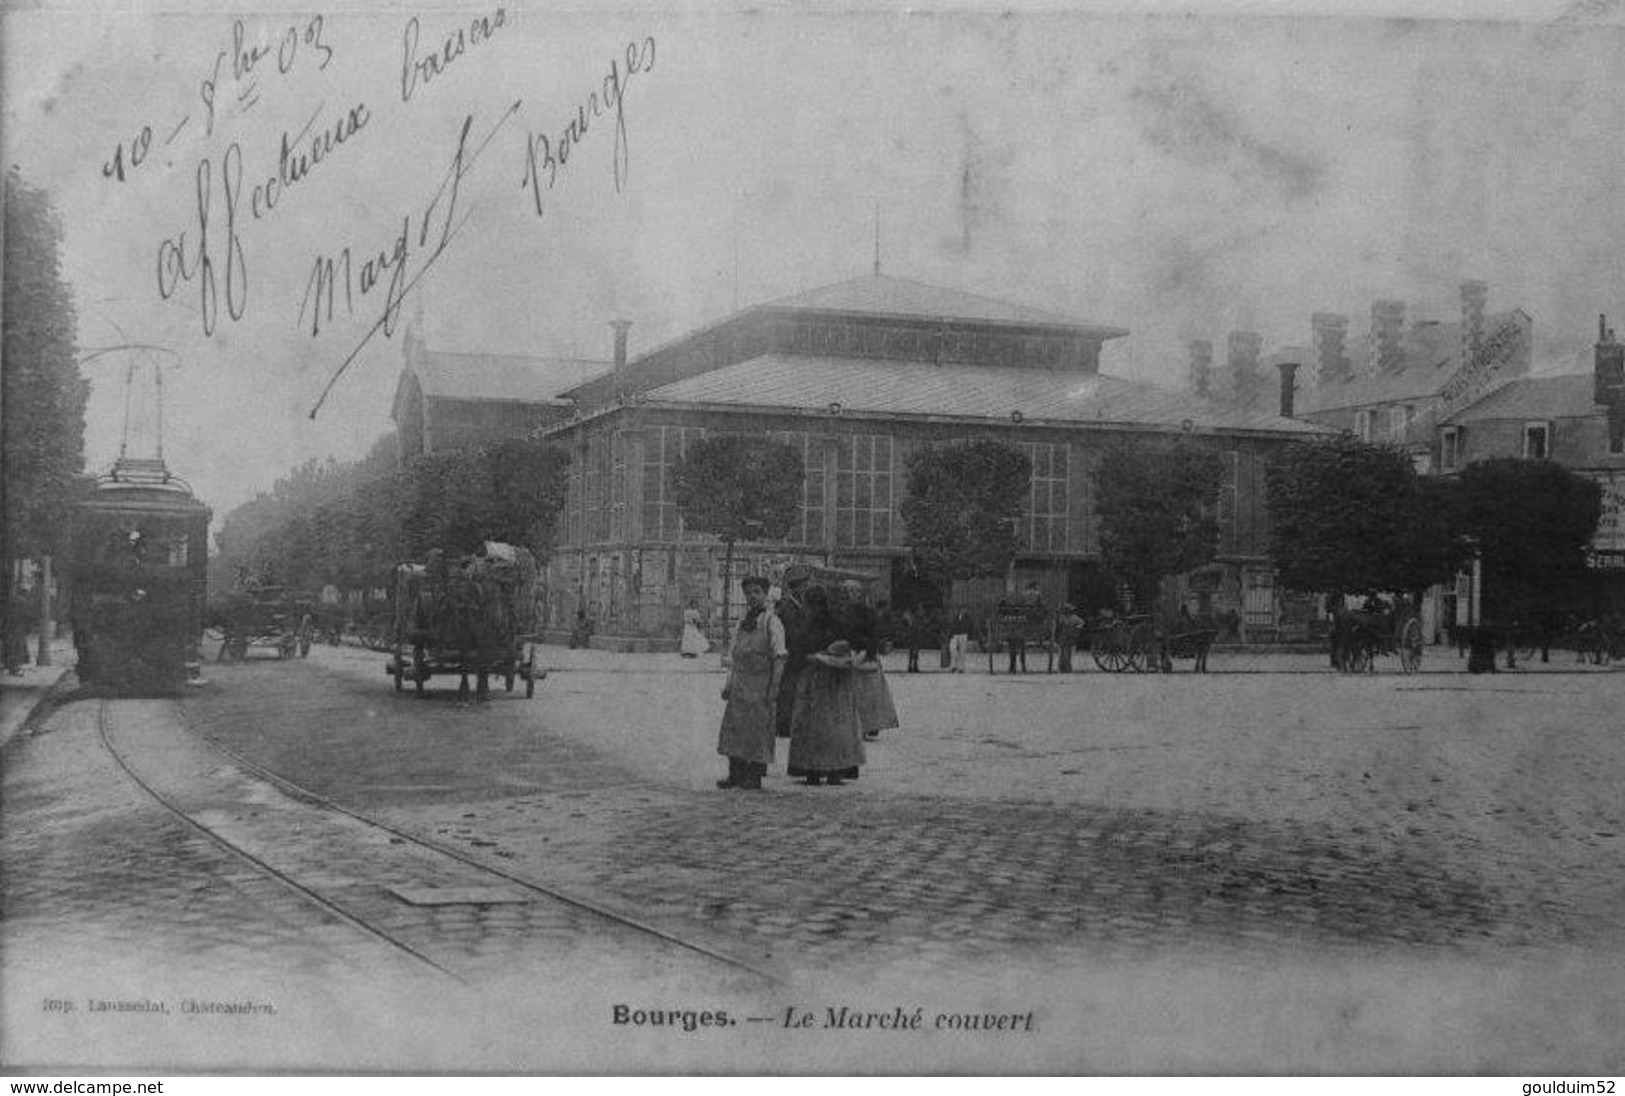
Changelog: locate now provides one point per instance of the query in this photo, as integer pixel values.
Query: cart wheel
(1111, 658)
(1410, 646)
(1135, 659)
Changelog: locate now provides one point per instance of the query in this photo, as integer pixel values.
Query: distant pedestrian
(958, 639)
(826, 732)
(756, 667)
(19, 620)
(1067, 631)
(914, 627)
(694, 643)
(581, 631)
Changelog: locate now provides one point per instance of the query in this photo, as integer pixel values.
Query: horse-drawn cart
(266, 617)
(1121, 644)
(1360, 635)
(473, 617)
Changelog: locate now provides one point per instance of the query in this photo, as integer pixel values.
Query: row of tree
(1346, 517)
(43, 396)
(1352, 518)
(348, 524)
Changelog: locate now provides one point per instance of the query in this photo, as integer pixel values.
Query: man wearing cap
(798, 639)
(756, 666)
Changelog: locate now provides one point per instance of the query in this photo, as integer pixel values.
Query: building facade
(855, 377)
(1577, 420)
(1393, 384)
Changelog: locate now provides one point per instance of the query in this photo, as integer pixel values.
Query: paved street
(1272, 868)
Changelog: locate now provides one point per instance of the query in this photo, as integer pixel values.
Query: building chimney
(1609, 370)
(621, 327)
(1244, 347)
(1289, 386)
(1473, 296)
(1202, 367)
(1387, 336)
(1330, 345)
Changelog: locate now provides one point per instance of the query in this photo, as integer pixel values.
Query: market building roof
(961, 391)
(522, 378)
(885, 295)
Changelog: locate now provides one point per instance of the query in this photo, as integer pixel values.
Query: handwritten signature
(331, 273)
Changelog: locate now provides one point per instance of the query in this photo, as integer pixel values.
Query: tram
(137, 580)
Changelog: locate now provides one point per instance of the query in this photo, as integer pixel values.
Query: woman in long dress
(861, 628)
(756, 664)
(826, 730)
(694, 642)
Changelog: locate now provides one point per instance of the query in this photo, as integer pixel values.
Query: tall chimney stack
(621, 328)
(1330, 344)
(1244, 348)
(1289, 386)
(1473, 296)
(1609, 371)
(1202, 367)
(1387, 336)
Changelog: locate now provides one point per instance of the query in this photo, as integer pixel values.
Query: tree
(964, 508)
(1349, 517)
(1531, 522)
(738, 487)
(1158, 512)
(349, 523)
(42, 392)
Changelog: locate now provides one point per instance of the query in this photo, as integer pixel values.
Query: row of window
(1538, 436)
(854, 499)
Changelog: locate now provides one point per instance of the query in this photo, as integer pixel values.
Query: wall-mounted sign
(1610, 535)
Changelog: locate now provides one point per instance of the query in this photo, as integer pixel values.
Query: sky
(1179, 176)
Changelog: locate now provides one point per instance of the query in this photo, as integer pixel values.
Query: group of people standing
(807, 669)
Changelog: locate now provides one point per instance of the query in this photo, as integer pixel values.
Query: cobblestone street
(1274, 871)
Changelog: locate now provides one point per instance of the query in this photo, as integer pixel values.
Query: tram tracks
(439, 907)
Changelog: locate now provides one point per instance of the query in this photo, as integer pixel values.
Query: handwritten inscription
(547, 156)
(302, 152)
(419, 69)
(292, 42)
(177, 263)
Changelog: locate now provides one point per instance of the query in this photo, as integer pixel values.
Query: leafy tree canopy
(44, 394)
(964, 507)
(1158, 512)
(349, 523)
(739, 487)
(1532, 522)
(1349, 517)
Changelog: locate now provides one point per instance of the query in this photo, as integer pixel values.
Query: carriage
(273, 618)
(137, 580)
(472, 617)
(1359, 636)
(1139, 644)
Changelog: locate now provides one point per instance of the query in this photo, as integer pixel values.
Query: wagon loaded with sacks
(473, 616)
